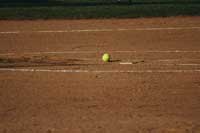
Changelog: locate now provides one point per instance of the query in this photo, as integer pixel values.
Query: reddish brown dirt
(46, 102)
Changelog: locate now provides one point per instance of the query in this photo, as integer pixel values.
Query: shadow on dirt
(6, 62)
(47, 3)
(41, 65)
(114, 60)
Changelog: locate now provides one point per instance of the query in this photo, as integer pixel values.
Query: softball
(106, 57)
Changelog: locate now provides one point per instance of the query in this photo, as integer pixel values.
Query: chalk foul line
(102, 30)
(98, 71)
(116, 51)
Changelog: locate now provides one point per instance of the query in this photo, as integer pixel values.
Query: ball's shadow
(114, 60)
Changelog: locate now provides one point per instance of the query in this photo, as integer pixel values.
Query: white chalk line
(185, 64)
(11, 32)
(102, 30)
(189, 64)
(98, 71)
(126, 63)
(172, 64)
(164, 64)
(174, 60)
(94, 52)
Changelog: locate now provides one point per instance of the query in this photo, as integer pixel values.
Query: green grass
(88, 9)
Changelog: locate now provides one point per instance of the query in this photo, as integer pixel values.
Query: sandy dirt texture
(52, 78)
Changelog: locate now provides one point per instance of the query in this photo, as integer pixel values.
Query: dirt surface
(52, 79)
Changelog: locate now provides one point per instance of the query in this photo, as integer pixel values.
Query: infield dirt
(162, 95)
